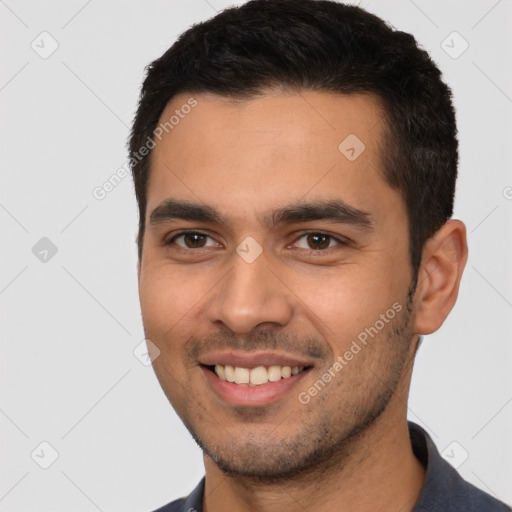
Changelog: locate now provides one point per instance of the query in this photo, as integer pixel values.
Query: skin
(348, 448)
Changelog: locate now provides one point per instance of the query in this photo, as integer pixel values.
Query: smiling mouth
(257, 376)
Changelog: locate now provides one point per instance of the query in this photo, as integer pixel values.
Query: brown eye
(318, 241)
(192, 240)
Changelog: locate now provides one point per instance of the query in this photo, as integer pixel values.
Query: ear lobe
(443, 260)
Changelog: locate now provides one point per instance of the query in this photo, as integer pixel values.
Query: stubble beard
(326, 438)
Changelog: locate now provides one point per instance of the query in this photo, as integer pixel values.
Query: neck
(376, 471)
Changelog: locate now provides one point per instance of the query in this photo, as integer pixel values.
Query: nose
(251, 294)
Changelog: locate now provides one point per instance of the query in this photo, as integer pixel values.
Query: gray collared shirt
(444, 489)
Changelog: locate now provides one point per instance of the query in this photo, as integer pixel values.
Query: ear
(443, 260)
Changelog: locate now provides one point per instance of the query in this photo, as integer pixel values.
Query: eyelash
(340, 242)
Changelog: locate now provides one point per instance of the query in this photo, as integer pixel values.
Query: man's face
(298, 257)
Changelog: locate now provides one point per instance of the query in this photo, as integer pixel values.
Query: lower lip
(246, 395)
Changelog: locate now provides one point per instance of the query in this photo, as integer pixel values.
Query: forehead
(269, 150)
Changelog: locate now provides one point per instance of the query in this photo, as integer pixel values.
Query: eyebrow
(331, 210)
(171, 209)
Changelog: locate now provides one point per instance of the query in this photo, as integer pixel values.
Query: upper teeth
(255, 376)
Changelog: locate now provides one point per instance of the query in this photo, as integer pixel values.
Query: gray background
(71, 322)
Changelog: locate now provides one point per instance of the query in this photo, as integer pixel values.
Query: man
(294, 167)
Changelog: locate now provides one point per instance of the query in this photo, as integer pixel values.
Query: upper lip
(252, 359)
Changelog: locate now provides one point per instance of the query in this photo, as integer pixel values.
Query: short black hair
(318, 45)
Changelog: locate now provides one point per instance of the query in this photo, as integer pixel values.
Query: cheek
(342, 303)
(167, 296)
